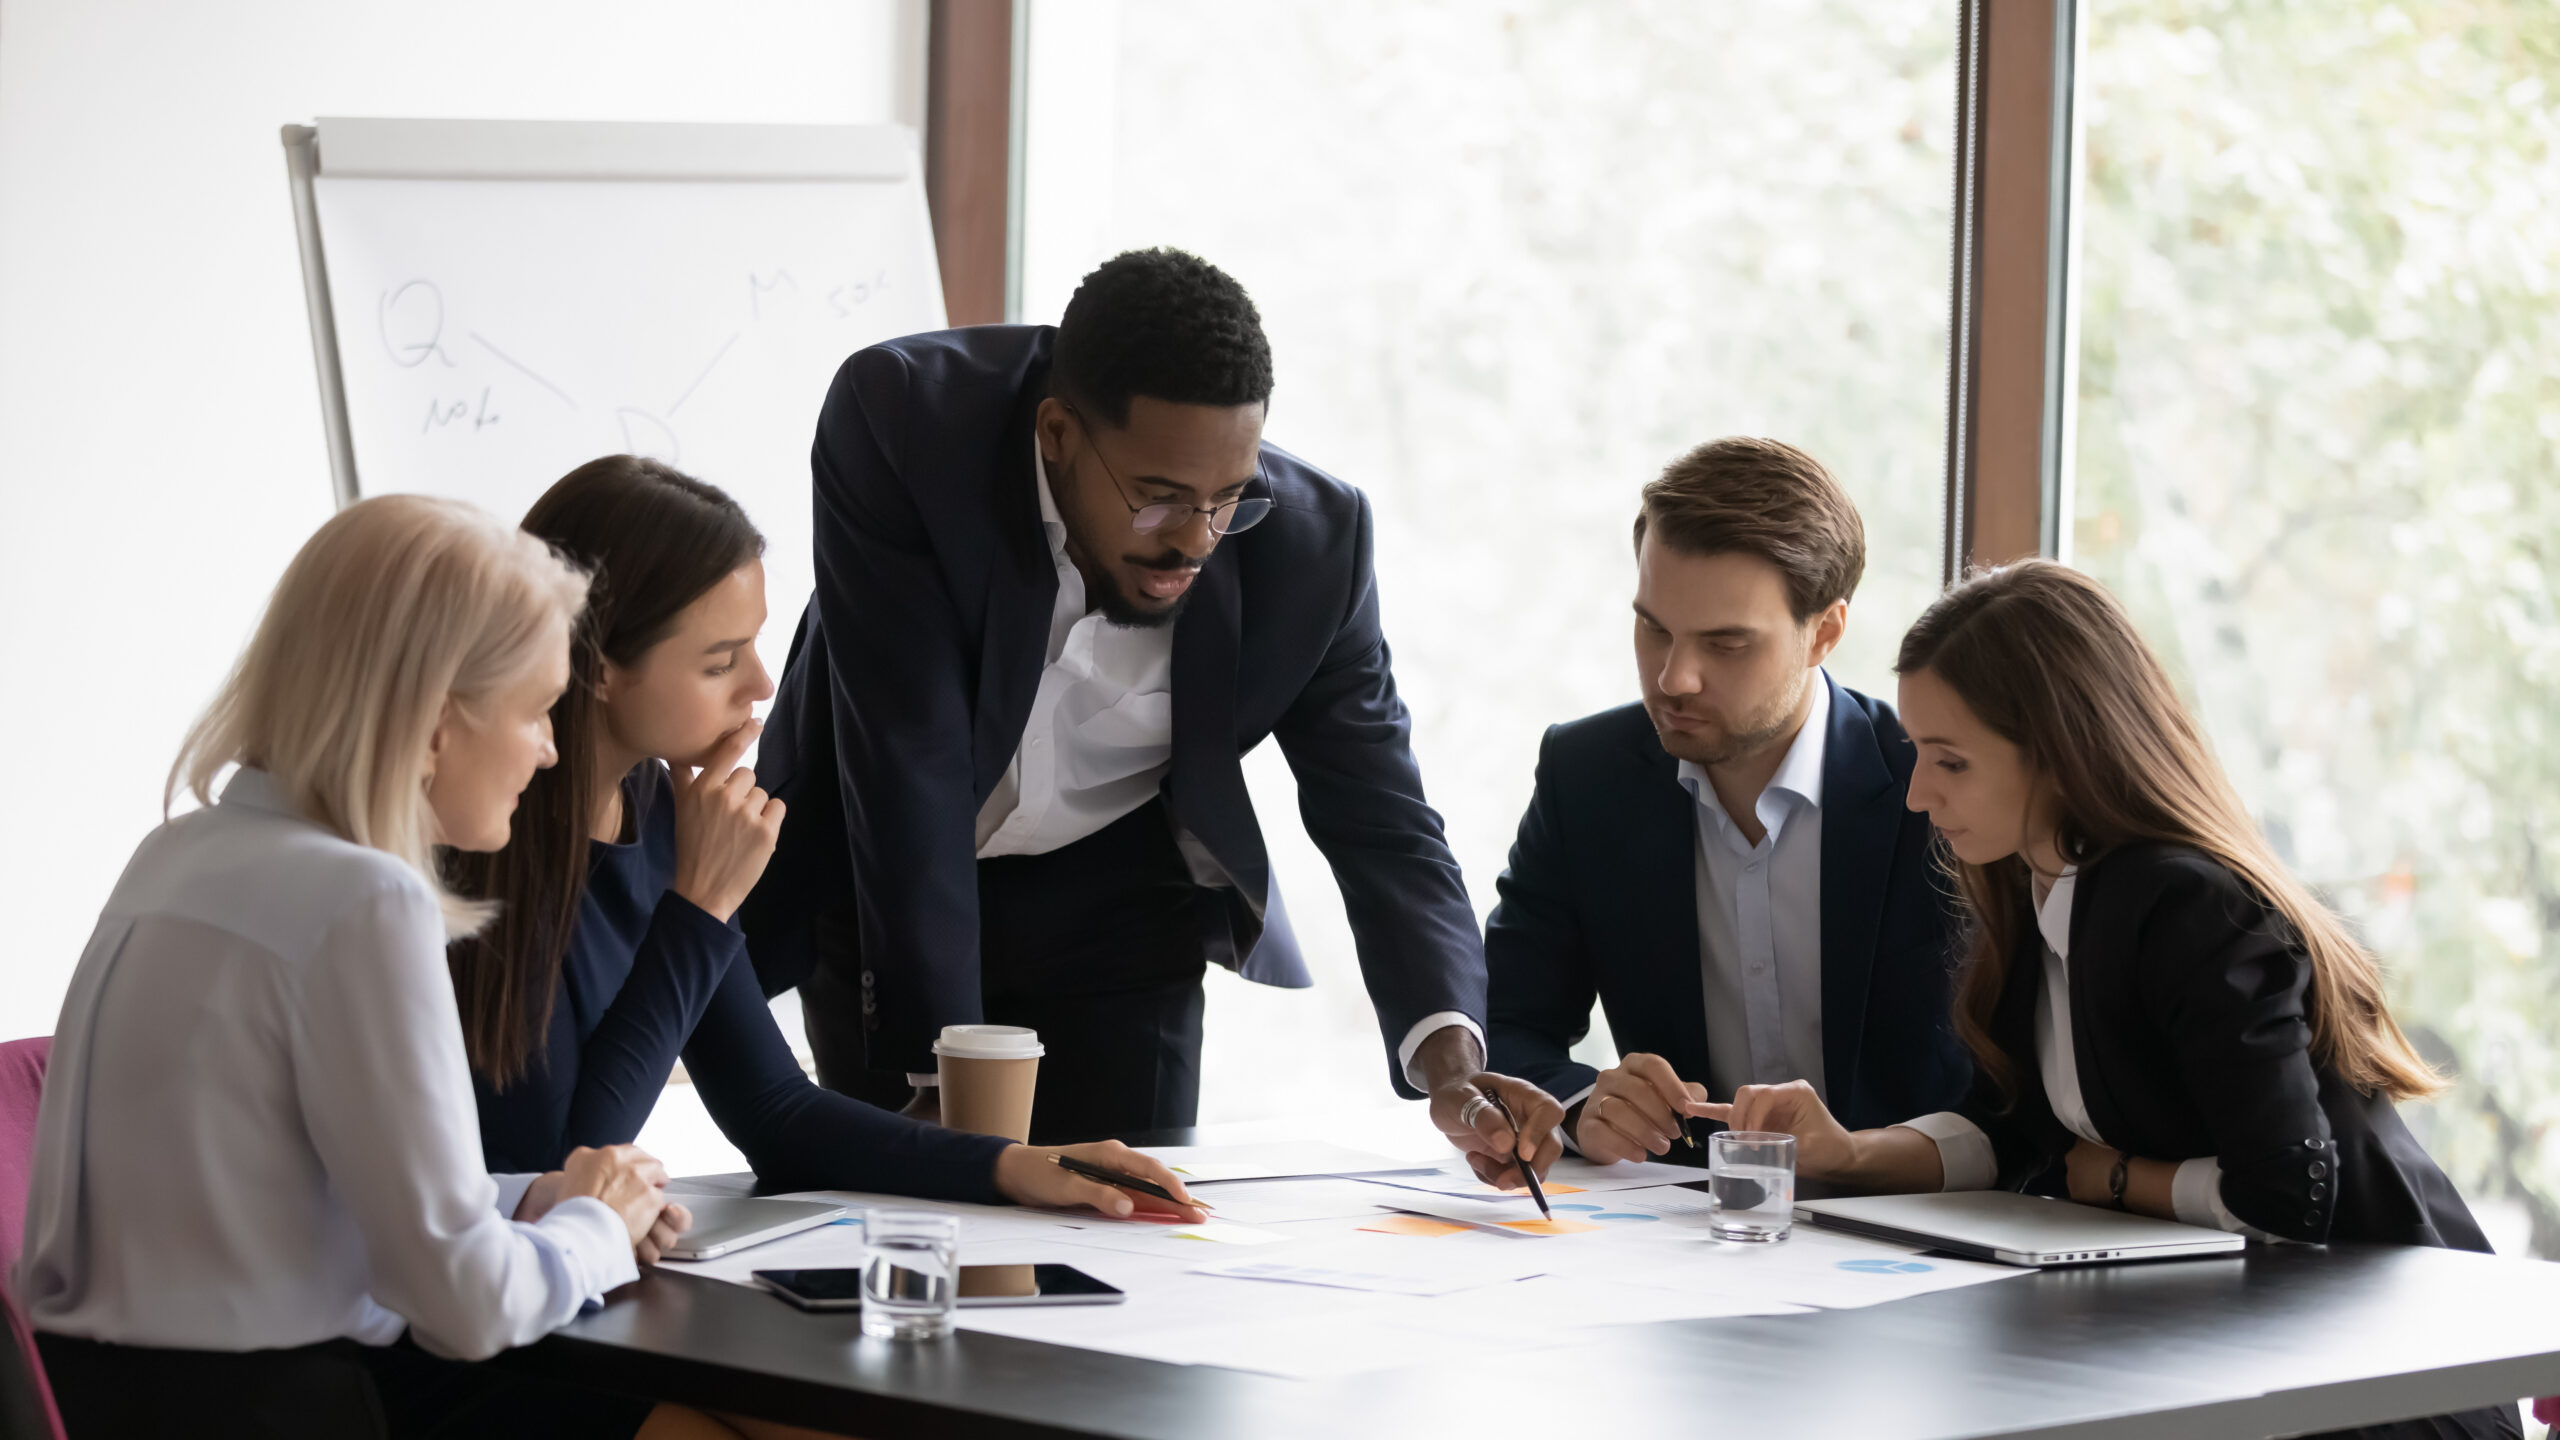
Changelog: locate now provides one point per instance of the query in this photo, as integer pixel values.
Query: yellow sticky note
(1549, 1227)
(1412, 1225)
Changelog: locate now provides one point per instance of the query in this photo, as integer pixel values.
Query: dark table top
(2283, 1340)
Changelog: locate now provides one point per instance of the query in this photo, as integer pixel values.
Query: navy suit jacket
(913, 674)
(1600, 899)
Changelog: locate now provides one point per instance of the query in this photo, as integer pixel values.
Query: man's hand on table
(1451, 1064)
(1634, 1110)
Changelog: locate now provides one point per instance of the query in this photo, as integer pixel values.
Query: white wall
(160, 446)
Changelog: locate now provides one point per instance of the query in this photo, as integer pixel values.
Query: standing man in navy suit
(1062, 587)
(1728, 867)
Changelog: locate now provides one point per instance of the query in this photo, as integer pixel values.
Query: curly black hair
(1160, 323)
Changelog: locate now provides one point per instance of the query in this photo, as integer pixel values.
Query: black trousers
(1097, 946)
(330, 1391)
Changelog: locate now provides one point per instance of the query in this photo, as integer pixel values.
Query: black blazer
(2189, 1033)
(1601, 898)
(915, 666)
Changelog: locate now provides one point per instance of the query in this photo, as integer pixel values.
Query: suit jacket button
(2318, 1169)
(2311, 1221)
(2320, 1191)
(2315, 1143)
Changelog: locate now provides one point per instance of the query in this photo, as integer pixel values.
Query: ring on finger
(1474, 1107)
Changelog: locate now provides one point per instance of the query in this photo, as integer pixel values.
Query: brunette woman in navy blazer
(2162, 1018)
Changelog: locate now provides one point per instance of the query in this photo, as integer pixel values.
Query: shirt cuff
(1565, 1134)
(1965, 1161)
(1424, 1029)
(511, 1190)
(2195, 1198)
(927, 1081)
(594, 1245)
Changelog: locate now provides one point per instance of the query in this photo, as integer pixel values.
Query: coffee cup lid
(989, 1042)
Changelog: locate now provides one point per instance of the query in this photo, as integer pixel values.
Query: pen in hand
(1519, 1156)
(1073, 1166)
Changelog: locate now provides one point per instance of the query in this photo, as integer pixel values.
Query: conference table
(2283, 1340)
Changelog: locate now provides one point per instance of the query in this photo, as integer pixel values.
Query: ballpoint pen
(1517, 1158)
(1126, 1182)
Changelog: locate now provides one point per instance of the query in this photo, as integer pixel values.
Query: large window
(1514, 258)
(2319, 408)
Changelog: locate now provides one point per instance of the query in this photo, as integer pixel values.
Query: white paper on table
(1457, 1178)
(1208, 1163)
(1494, 1216)
(1573, 1302)
(1270, 1202)
(1813, 1267)
(1380, 1266)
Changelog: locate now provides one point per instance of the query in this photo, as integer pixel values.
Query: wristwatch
(2115, 1180)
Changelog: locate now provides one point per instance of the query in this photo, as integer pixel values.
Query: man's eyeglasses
(1225, 518)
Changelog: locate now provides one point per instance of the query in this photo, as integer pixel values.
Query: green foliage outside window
(2319, 409)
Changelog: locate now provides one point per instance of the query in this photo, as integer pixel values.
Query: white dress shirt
(1964, 1152)
(1100, 739)
(1760, 919)
(258, 1127)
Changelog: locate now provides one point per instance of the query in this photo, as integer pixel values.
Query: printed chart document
(1320, 1275)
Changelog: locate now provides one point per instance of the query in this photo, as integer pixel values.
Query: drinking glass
(907, 1276)
(1752, 1175)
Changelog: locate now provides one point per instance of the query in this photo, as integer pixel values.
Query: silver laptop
(2016, 1229)
(722, 1225)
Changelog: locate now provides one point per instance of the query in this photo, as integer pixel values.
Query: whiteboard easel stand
(302, 163)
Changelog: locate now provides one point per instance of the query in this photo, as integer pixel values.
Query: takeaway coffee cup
(988, 1072)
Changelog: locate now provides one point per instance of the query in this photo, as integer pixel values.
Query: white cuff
(1965, 1161)
(593, 1241)
(511, 1190)
(1565, 1133)
(926, 1081)
(2195, 1198)
(1424, 1029)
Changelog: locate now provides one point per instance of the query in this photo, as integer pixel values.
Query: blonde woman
(257, 1163)
(2162, 1018)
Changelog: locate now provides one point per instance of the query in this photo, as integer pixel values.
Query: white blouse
(1964, 1152)
(258, 1127)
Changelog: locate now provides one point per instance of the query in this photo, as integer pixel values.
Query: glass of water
(908, 1274)
(1752, 1174)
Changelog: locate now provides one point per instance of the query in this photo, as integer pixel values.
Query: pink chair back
(21, 1088)
(26, 1401)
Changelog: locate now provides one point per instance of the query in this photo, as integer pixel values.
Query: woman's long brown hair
(2045, 657)
(655, 539)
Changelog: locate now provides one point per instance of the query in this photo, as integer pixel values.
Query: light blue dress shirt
(1760, 919)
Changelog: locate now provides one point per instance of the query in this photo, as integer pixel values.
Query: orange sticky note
(1422, 1225)
(1549, 1227)
(1523, 1190)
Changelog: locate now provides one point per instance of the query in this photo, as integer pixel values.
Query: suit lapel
(1659, 903)
(1206, 787)
(1022, 592)
(1861, 823)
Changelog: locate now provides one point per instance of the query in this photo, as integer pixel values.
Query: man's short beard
(1118, 609)
(1762, 731)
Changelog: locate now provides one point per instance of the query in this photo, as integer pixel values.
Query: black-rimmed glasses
(1225, 518)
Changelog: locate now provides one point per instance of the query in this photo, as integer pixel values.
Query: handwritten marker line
(705, 375)
(483, 343)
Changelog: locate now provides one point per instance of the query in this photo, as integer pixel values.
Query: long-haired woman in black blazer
(2157, 1009)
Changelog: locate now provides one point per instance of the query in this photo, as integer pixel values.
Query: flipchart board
(494, 303)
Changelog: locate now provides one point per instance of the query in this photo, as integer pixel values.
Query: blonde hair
(395, 608)
(2045, 656)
